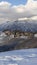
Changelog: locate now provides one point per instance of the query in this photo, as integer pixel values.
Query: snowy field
(19, 57)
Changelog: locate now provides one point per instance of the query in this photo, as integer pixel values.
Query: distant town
(20, 34)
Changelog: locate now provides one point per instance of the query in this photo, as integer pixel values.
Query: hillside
(19, 44)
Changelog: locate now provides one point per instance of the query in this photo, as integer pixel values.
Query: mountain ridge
(25, 26)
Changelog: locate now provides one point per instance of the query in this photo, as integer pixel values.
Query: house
(29, 34)
(35, 35)
(7, 32)
(17, 34)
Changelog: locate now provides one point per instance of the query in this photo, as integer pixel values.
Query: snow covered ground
(19, 57)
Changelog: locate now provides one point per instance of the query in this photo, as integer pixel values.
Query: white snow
(12, 64)
(19, 57)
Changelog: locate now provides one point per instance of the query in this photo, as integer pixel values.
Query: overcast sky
(11, 10)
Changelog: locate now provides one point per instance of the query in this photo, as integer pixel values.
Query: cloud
(9, 12)
(4, 4)
(34, 18)
(30, 19)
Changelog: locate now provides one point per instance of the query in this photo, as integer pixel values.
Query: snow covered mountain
(22, 25)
